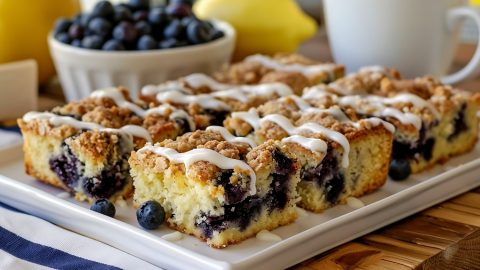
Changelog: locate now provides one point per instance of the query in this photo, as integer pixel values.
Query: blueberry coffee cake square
(84, 146)
(432, 121)
(352, 161)
(222, 191)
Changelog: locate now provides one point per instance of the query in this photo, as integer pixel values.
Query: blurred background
(30, 80)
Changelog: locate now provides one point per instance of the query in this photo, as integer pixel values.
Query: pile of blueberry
(136, 26)
(150, 215)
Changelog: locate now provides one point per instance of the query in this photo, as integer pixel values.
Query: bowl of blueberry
(134, 44)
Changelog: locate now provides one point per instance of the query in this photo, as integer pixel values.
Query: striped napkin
(28, 242)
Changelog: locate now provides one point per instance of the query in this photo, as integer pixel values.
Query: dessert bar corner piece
(219, 191)
(433, 121)
(83, 147)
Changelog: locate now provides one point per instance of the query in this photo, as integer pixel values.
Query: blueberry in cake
(84, 146)
(294, 70)
(217, 187)
(432, 121)
(353, 161)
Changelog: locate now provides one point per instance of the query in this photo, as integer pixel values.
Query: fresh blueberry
(158, 16)
(217, 34)
(62, 25)
(143, 28)
(122, 13)
(125, 31)
(146, 42)
(100, 26)
(399, 169)
(103, 206)
(150, 215)
(103, 9)
(199, 32)
(76, 31)
(140, 15)
(92, 42)
(113, 45)
(77, 19)
(174, 29)
(63, 37)
(187, 20)
(85, 20)
(139, 4)
(184, 2)
(76, 43)
(168, 43)
(178, 10)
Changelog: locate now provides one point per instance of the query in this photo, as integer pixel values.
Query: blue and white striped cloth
(28, 242)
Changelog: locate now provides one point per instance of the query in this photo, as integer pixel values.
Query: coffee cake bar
(432, 121)
(217, 190)
(84, 146)
(294, 70)
(354, 161)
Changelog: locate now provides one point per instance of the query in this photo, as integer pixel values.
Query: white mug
(418, 37)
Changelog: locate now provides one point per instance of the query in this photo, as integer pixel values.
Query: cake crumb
(64, 195)
(265, 235)
(355, 203)
(121, 203)
(301, 212)
(172, 237)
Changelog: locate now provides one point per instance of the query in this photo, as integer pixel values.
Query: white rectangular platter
(311, 234)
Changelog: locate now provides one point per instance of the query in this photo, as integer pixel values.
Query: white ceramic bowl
(82, 71)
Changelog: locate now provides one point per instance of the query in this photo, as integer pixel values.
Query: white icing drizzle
(414, 100)
(265, 235)
(317, 93)
(285, 124)
(301, 104)
(375, 68)
(204, 100)
(378, 103)
(116, 95)
(344, 91)
(56, 120)
(242, 92)
(336, 112)
(251, 117)
(229, 137)
(307, 70)
(195, 80)
(380, 109)
(339, 115)
(316, 145)
(192, 156)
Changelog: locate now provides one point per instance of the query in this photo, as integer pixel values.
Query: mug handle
(473, 67)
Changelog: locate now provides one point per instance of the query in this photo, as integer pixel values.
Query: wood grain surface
(444, 237)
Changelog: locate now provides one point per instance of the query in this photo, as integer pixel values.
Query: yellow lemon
(263, 26)
(24, 27)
